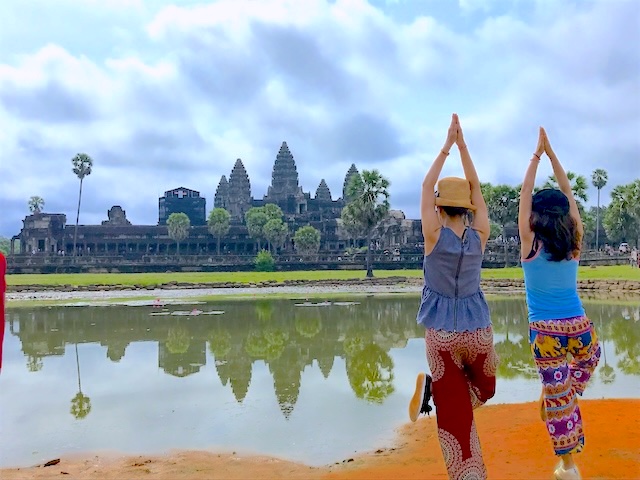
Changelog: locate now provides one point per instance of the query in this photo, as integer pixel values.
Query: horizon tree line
(368, 204)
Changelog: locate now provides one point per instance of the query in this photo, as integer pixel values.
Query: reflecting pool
(307, 381)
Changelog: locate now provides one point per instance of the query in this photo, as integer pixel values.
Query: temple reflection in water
(288, 338)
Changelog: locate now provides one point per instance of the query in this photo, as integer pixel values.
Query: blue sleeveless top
(551, 288)
(451, 296)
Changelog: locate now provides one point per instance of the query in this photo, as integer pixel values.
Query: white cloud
(164, 95)
(471, 5)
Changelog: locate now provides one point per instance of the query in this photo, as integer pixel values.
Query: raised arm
(565, 185)
(526, 194)
(430, 221)
(481, 215)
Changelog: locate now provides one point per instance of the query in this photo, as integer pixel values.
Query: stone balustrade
(135, 263)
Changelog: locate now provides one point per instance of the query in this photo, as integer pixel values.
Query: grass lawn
(619, 272)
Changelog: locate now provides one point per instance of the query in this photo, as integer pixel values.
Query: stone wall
(587, 288)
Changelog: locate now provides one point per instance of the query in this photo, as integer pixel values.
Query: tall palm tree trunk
(78, 367)
(598, 223)
(75, 232)
(369, 269)
(506, 249)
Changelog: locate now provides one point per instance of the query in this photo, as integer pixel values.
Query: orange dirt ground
(514, 444)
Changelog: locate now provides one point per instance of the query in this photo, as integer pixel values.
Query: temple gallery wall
(49, 234)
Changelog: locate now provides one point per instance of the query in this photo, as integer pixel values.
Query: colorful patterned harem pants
(463, 366)
(551, 342)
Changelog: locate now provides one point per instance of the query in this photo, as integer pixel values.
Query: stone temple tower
(221, 200)
(323, 194)
(351, 172)
(239, 189)
(284, 190)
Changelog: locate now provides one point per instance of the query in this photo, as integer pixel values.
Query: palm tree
(599, 179)
(369, 205)
(607, 372)
(622, 216)
(178, 225)
(36, 204)
(351, 226)
(81, 403)
(80, 406)
(502, 204)
(82, 164)
(218, 223)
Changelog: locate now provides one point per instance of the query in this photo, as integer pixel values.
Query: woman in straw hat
(551, 234)
(459, 337)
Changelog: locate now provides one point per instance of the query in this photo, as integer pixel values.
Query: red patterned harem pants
(463, 366)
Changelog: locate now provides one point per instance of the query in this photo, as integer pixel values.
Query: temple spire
(221, 199)
(351, 172)
(284, 178)
(323, 193)
(239, 191)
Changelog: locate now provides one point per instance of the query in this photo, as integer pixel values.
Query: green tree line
(620, 220)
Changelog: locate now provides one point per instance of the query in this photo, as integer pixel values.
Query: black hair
(455, 211)
(558, 233)
(551, 201)
(465, 213)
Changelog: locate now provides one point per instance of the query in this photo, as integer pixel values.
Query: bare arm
(481, 215)
(526, 192)
(565, 186)
(430, 221)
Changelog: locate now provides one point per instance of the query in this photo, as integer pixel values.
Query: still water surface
(307, 382)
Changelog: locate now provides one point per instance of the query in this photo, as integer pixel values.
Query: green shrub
(264, 262)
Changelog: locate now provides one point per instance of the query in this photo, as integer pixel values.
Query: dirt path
(186, 293)
(513, 439)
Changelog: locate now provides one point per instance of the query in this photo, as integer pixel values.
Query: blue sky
(166, 94)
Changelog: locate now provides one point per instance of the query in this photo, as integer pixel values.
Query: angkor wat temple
(49, 234)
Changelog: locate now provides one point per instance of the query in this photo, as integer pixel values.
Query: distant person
(634, 258)
(551, 236)
(3, 289)
(454, 312)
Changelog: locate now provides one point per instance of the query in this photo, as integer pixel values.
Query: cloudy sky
(164, 94)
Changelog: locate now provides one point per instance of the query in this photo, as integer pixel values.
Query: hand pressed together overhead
(454, 134)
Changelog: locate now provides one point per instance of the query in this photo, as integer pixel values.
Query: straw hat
(454, 192)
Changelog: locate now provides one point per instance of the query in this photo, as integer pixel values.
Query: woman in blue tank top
(551, 234)
(454, 312)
